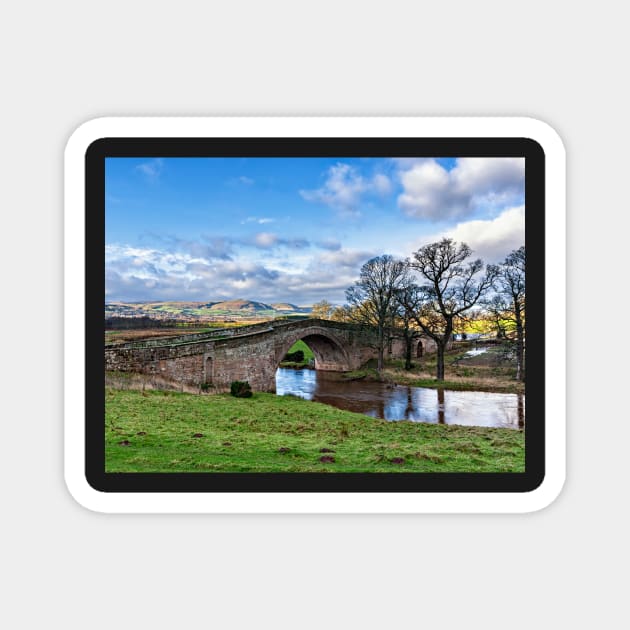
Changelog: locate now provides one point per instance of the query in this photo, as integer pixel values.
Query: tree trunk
(440, 361)
(408, 349)
(442, 342)
(520, 346)
(381, 349)
(520, 352)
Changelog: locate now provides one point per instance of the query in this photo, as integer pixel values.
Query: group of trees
(435, 292)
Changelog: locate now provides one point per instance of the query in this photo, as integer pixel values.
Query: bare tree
(495, 314)
(508, 304)
(322, 310)
(408, 302)
(452, 287)
(342, 314)
(371, 300)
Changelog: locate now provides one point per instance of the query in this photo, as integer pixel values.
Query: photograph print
(315, 315)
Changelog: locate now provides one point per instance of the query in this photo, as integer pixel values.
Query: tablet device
(314, 314)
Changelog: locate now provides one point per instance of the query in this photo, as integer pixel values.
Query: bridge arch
(329, 351)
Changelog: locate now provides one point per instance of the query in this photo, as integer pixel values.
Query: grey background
(66, 62)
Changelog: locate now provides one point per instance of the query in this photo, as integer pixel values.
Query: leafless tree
(371, 300)
(508, 304)
(408, 301)
(451, 287)
(322, 310)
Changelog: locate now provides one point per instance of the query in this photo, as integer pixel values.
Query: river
(401, 402)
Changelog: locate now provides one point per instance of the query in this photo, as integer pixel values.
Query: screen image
(315, 315)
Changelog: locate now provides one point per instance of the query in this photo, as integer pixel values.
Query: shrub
(241, 389)
(295, 357)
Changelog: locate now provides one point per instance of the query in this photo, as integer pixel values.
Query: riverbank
(163, 431)
(485, 371)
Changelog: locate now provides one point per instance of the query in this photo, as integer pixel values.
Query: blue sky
(294, 229)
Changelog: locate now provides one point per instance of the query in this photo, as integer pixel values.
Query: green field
(300, 345)
(157, 431)
(308, 356)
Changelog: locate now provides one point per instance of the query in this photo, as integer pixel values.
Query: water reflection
(418, 404)
(440, 406)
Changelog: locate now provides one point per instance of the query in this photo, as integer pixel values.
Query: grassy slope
(308, 355)
(300, 345)
(268, 433)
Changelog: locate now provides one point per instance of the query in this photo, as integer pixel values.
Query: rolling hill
(213, 311)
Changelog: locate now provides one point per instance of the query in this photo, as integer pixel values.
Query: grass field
(139, 334)
(308, 356)
(156, 431)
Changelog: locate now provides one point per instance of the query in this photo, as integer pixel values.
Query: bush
(241, 389)
(295, 357)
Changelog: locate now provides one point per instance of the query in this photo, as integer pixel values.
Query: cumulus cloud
(345, 188)
(491, 240)
(136, 273)
(206, 247)
(268, 240)
(348, 258)
(432, 192)
(265, 267)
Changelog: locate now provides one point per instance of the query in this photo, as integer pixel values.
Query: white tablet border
(291, 502)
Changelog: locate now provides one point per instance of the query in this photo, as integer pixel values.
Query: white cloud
(265, 239)
(151, 169)
(265, 267)
(479, 176)
(434, 193)
(259, 220)
(207, 246)
(491, 240)
(135, 274)
(381, 184)
(344, 258)
(269, 240)
(345, 187)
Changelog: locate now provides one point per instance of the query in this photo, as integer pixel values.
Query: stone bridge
(249, 353)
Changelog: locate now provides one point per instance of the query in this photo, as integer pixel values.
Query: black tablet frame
(336, 147)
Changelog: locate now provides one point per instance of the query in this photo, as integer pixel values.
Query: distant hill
(285, 306)
(241, 305)
(228, 310)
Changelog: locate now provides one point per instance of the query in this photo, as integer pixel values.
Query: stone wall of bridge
(250, 354)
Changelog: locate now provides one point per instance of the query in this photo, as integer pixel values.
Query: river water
(401, 402)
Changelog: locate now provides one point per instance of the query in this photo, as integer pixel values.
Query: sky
(294, 230)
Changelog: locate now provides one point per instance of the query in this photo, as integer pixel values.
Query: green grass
(154, 431)
(300, 345)
(308, 356)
